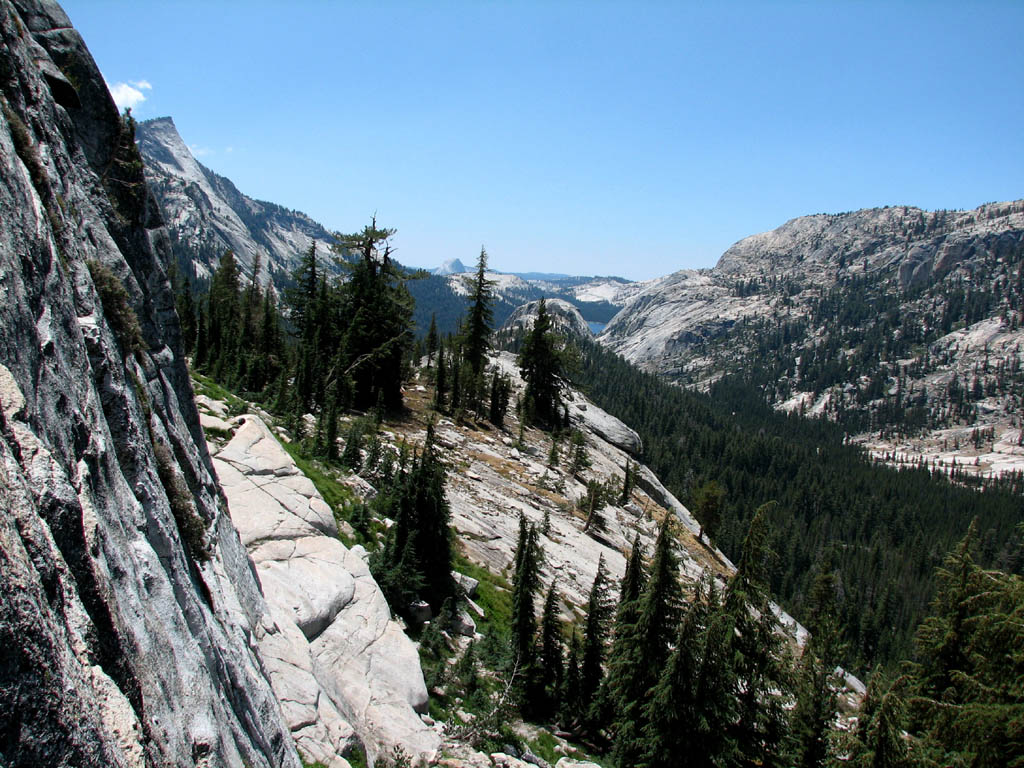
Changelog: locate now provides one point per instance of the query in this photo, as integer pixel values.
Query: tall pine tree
(477, 330)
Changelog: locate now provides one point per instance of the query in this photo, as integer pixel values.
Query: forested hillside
(881, 531)
(900, 325)
(850, 547)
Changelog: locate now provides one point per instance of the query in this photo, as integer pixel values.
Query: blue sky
(632, 139)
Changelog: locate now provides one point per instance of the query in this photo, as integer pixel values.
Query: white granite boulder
(342, 669)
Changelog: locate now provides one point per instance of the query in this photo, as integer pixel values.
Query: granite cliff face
(129, 611)
(206, 214)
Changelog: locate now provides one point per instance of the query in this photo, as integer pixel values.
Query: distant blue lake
(595, 327)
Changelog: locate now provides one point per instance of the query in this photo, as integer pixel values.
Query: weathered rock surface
(604, 425)
(502, 481)
(342, 668)
(567, 762)
(119, 647)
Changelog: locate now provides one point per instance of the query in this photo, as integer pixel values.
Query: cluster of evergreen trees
(656, 676)
(884, 529)
(960, 702)
(349, 336)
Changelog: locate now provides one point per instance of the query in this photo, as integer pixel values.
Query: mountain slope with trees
(899, 323)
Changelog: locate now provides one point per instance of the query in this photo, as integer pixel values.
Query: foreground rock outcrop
(343, 670)
(128, 610)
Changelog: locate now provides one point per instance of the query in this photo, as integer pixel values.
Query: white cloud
(127, 96)
(198, 151)
(142, 85)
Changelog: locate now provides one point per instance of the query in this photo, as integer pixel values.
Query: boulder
(467, 583)
(605, 426)
(342, 668)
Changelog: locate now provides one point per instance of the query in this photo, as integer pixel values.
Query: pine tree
(592, 503)
(525, 583)
(477, 331)
(645, 647)
(878, 741)
(432, 339)
(301, 295)
(708, 508)
(579, 458)
(376, 314)
(501, 390)
(416, 562)
(440, 382)
(352, 456)
(815, 696)
(222, 315)
(543, 370)
(553, 456)
(761, 662)
(690, 709)
(551, 661)
(595, 635)
(628, 478)
(966, 692)
(622, 656)
(573, 703)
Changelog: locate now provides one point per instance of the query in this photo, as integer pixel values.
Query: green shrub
(117, 307)
(190, 524)
(26, 149)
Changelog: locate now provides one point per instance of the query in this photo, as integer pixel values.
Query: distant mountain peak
(207, 214)
(451, 267)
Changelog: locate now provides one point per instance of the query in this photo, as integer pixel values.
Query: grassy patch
(357, 757)
(217, 434)
(339, 497)
(117, 307)
(544, 746)
(493, 594)
(203, 385)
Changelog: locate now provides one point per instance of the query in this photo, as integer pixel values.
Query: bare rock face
(941, 289)
(604, 425)
(125, 642)
(565, 318)
(343, 670)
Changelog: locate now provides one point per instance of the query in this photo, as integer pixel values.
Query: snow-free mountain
(903, 325)
(206, 214)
